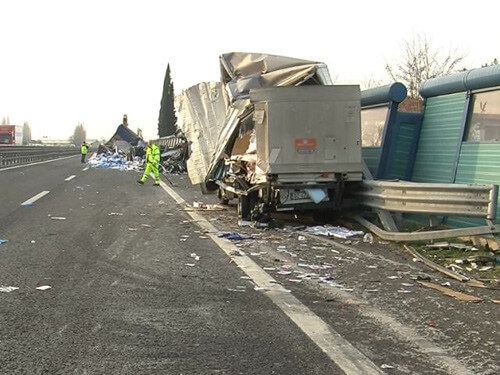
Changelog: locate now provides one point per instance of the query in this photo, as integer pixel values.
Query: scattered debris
(190, 264)
(8, 289)
(3, 241)
(442, 269)
(115, 214)
(118, 161)
(450, 292)
(333, 231)
(200, 206)
(57, 218)
(146, 225)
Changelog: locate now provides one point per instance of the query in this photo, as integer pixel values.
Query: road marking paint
(338, 349)
(86, 168)
(70, 177)
(35, 198)
(38, 162)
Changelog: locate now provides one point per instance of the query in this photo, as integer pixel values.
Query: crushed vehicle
(275, 133)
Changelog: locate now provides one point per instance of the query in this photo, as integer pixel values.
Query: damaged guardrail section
(433, 199)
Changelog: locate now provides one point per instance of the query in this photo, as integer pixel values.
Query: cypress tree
(167, 120)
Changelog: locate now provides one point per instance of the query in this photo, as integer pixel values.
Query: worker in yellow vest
(83, 150)
(152, 164)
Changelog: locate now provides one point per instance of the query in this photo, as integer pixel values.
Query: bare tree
(421, 61)
(371, 82)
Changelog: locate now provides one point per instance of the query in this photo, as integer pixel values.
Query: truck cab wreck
(290, 139)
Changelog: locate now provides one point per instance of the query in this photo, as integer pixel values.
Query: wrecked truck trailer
(298, 150)
(275, 133)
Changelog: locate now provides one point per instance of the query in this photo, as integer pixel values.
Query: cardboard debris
(451, 293)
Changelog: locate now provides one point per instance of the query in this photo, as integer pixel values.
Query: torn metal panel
(201, 113)
(242, 72)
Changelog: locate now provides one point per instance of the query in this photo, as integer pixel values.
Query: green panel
(371, 156)
(440, 137)
(479, 163)
(403, 146)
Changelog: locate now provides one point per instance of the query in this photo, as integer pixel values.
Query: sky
(69, 62)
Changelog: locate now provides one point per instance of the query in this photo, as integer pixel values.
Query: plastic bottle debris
(368, 238)
(8, 289)
(44, 287)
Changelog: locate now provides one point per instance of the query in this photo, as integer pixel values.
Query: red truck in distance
(11, 135)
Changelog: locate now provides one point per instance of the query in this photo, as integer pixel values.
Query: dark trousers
(83, 158)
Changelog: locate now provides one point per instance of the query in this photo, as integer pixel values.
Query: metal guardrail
(433, 199)
(17, 155)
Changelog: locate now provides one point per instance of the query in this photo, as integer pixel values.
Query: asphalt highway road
(129, 295)
(122, 300)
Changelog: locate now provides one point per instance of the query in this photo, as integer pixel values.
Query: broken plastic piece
(2, 241)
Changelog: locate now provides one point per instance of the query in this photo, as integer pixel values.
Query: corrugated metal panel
(478, 164)
(371, 156)
(403, 147)
(439, 138)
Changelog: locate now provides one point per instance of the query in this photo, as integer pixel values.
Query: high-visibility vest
(84, 149)
(153, 154)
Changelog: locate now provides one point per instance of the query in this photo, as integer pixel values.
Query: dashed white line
(338, 349)
(35, 198)
(70, 177)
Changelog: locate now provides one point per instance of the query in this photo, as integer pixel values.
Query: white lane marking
(70, 177)
(35, 198)
(86, 168)
(38, 162)
(338, 349)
